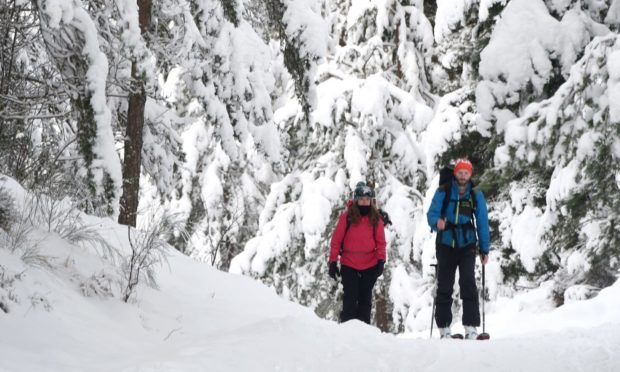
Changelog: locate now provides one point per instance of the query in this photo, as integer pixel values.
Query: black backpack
(446, 175)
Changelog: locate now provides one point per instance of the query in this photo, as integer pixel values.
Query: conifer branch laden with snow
(71, 40)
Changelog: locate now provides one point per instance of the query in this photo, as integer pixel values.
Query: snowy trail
(290, 344)
(205, 320)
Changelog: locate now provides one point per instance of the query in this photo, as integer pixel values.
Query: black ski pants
(357, 285)
(448, 260)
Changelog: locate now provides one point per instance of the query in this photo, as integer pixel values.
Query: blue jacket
(460, 237)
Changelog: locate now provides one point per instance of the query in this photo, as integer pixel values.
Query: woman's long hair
(354, 215)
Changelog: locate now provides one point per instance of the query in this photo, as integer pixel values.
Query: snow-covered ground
(201, 319)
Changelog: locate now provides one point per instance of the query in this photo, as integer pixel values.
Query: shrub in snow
(40, 214)
(148, 251)
(38, 300)
(7, 292)
(7, 209)
(62, 217)
(19, 237)
(99, 285)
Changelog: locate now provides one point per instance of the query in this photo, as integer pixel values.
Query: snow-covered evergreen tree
(221, 83)
(372, 103)
(573, 138)
(71, 40)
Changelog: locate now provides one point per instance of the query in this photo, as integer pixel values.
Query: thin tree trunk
(133, 137)
(383, 314)
(133, 156)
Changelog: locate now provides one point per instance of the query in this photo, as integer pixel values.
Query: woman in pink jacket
(359, 240)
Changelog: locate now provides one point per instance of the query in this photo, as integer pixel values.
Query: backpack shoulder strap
(472, 196)
(473, 192)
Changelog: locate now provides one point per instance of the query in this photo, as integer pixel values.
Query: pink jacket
(362, 248)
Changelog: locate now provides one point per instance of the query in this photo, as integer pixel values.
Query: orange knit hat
(463, 164)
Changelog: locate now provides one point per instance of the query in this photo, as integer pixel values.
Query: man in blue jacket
(462, 223)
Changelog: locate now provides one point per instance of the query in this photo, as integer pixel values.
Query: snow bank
(201, 317)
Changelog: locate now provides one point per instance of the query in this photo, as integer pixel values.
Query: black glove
(484, 257)
(334, 272)
(379, 267)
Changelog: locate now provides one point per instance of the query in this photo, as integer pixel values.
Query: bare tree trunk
(133, 137)
(133, 156)
(383, 314)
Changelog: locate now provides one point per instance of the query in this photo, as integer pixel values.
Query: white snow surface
(203, 319)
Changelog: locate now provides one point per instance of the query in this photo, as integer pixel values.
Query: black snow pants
(357, 285)
(448, 259)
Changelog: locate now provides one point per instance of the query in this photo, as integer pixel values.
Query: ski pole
(483, 300)
(484, 335)
(434, 300)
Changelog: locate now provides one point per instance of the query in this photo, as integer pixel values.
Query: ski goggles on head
(364, 192)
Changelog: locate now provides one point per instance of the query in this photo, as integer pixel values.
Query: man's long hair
(354, 215)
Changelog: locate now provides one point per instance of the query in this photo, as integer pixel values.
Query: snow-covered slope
(201, 319)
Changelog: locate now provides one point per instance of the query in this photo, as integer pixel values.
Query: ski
(481, 337)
